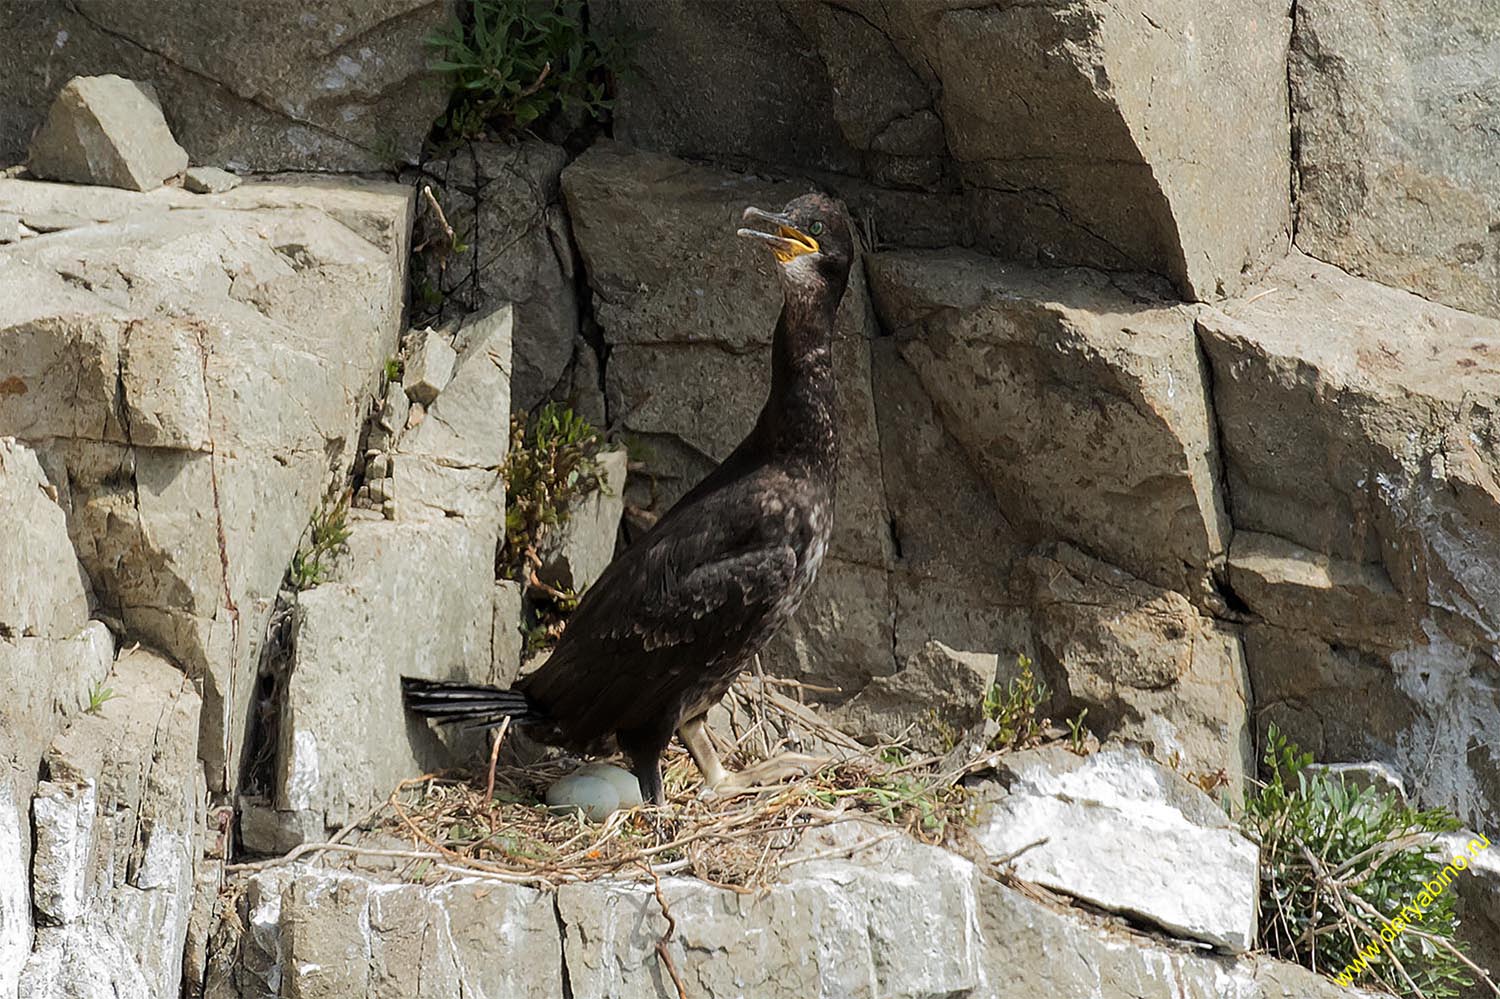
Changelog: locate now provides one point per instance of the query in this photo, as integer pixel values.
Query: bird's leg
(694, 735)
(647, 771)
(778, 768)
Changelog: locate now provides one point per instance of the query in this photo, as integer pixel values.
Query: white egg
(623, 781)
(595, 797)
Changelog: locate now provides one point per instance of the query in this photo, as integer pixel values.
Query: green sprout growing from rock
(327, 536)
(1016, 707)
(550, 465)
(99, 695)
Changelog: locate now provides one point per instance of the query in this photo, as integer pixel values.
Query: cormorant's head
(811, 239)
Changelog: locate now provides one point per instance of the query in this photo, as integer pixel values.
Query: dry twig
(662, 952)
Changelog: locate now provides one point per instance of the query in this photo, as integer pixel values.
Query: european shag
(661, 635)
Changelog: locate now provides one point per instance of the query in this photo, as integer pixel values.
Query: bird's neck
(798, 422)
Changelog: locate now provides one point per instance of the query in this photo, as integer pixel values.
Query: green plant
(1016, 707)
(99, 695)
(394, 369)
(519, 59)
(1078, 734)
(1340, 866)
(548, 467)
(327, 535)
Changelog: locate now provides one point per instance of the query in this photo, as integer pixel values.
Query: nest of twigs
(493, 823)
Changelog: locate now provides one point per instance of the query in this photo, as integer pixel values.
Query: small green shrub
(1016, 707)
(520, 59)
(328, 534)
(1340, 864)
(547, 468)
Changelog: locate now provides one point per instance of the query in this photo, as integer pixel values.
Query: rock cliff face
(1169, 362)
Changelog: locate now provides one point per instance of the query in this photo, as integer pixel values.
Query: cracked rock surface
(271, 86)
(1068, 133)
(192, 398)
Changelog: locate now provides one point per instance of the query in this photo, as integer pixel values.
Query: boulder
(936, 697)
(1355, 423)
(106, 130)
(1051, 133)
(507, 638)
(450, 464)
(576, 553)
(504, 202)
(1397, 179)
(1150, 669)
(428, 366)
(278, 87)
(1295, 587)
(119, 822)
(193, 370)
(1119, 831)
(43, 592)
(1079, 399)
(843, 634)
(344, 737)
(209, 180)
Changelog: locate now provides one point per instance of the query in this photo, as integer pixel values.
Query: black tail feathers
(469, 704)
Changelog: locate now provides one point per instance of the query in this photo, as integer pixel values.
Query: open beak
(787, 242)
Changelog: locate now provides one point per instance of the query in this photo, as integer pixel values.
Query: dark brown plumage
(658, 639)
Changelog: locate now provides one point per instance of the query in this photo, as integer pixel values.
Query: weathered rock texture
(1398, 162)
(937, 695)
(1120, 832)
(1067, 133)
(896, 920)
(449, 465)
(51, 656)
(1147, 667)
(106, 130)
(1077, 398)
(193, 371)
(412, 595)
(273, 86)
(119, 822)
(504, 202)
(1358, 434)
(1008, 409)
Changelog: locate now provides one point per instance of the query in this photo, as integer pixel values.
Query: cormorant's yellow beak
(787, 242)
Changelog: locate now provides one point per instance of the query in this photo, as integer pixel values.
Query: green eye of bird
(816, 229)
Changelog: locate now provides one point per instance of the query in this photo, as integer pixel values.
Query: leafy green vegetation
(518, 60)
(1339, 865)
(327, 535)
(1017, 707)
(549, 466)
(394, 369)
(99, 695)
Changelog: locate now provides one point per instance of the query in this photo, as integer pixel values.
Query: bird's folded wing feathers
(662, 613)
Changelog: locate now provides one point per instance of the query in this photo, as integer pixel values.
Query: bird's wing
(666, 610)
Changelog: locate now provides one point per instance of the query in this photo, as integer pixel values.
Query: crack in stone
(562, 947)
(218, 85)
